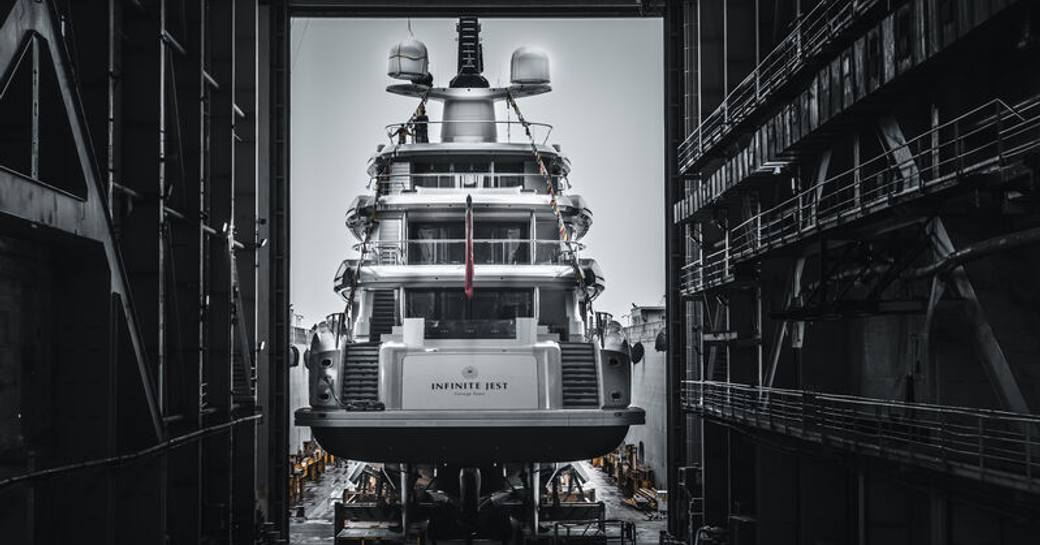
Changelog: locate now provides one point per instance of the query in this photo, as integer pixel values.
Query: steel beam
(675, 318)
(35, 202)
(277, 266)
(480, 8)
(994, 362)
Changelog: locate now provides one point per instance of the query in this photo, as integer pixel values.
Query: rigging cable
(370, 228)
(550, 188)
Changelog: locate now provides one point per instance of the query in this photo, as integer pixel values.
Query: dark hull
(437, 439)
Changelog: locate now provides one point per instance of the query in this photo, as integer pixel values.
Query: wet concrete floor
(315, 526)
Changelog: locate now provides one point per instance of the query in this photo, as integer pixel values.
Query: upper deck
(387, 156)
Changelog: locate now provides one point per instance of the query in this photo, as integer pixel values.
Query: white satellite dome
(529, 66)
(408, 60)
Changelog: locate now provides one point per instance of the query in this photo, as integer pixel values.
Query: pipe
(979, 250)
(123, 458)
(404, 499)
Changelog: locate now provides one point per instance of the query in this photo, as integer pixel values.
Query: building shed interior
(852, 308)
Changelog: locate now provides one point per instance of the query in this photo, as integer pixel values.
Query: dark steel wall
(833, 158)
(128, 183)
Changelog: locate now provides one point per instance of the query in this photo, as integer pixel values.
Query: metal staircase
(384, 314)
(578, 369)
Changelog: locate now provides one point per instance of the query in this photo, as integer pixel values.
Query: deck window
(435, 175)
(444, 243)
(491, 313)
(501, 243)
(509, 174)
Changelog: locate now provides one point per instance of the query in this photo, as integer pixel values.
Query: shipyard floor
(315, 524)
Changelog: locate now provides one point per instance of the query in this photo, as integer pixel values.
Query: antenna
(470, 56)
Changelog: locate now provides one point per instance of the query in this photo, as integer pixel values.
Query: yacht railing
(990, 445)
(396, 183)
(485, 252)
(514, 131)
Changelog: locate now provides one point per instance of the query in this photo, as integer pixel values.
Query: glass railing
(485, 252)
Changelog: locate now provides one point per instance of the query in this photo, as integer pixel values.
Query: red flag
(469, 247)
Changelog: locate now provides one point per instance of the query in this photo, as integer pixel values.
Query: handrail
(811, 33)
(394, 128)
(886, 177)
(987, 444)
(405, 180)
(766, 392)
(986, 137)
(502, 251)
(555, 242)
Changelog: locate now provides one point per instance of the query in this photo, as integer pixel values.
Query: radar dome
(529, 66)
(408, 60)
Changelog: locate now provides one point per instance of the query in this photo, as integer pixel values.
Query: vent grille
(361, 373)
(580, 385)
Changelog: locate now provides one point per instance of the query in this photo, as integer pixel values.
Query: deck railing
(395, 183)
(982, 141)
(810, 37)
(989, 445)
(513, 131)
(485, 252)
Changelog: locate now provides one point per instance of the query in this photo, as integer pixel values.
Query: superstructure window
(486, 304)
(509, 174)
(502, 243)
(472, 175)
(490, 314)
(435, 175)
(444, 243)
(437, 243)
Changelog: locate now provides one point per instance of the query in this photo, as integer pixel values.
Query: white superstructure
(516, 371)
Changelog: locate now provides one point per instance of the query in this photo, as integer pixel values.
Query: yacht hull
(470, 437)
